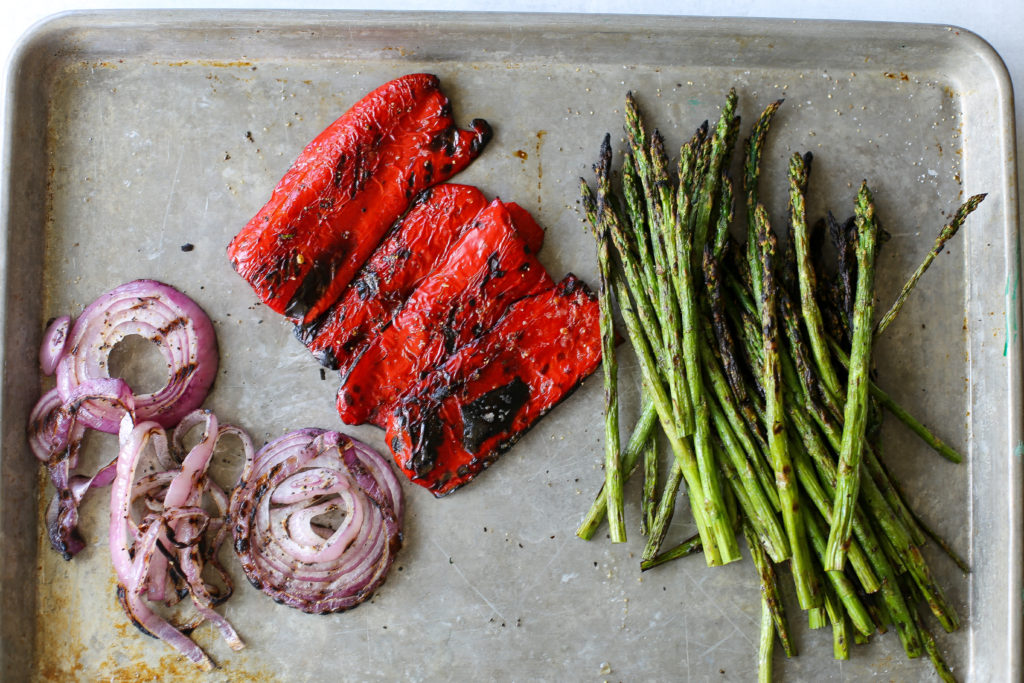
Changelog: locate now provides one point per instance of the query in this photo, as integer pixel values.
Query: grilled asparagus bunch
(755, 362)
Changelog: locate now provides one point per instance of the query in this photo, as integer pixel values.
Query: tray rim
(51, 29)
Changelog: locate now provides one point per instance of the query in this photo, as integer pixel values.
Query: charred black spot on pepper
(492, 413)
(339, 169)
(316, 282)
(494, 270)
(450, 333)
(483, 135)
(426, 436)
(367, 285)
(423, 196)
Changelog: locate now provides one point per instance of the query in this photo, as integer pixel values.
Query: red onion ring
(87, 397)
(176, 534)
(55, 339)
(285, 553)
(157, 312)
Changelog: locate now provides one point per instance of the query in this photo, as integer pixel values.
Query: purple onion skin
(55, 340)
(87, 397)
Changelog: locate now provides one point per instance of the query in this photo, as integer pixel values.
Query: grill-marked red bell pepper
(420, 241)
(489, 268)
(349, 185)
(475, 406)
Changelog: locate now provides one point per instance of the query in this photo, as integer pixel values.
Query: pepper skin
(474, 407)
(490, 267)
(419, 242)
(350, 184)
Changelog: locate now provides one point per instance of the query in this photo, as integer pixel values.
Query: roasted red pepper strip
(474, 407)
(418, 243)
(484, 273)
(438, 216)
(350, 184)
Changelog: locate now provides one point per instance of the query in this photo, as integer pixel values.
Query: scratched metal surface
(132, 134)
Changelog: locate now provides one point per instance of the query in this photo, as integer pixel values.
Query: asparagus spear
(662, 514)
(691, 340)
(630, 456)
(807, 280)
(765, 644)
(857, 385)
(610, 368)
(752, 173)
(770, 594)
(648, 498)
(688, 547)
(840, 626)
(947, 233)
(807, 589)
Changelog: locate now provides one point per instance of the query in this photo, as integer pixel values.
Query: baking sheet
(132, 134)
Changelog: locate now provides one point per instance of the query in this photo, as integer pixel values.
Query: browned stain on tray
(540, 164)
(901, 76)
(58, 659)
(209, 62)
(130, 657)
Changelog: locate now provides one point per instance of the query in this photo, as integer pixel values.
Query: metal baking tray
(130, 134)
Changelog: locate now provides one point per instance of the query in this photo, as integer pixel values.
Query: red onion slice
(55, 339)
(56, 429)
(291, 483)
(171, 545)
(87, 397)
(155, 311)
